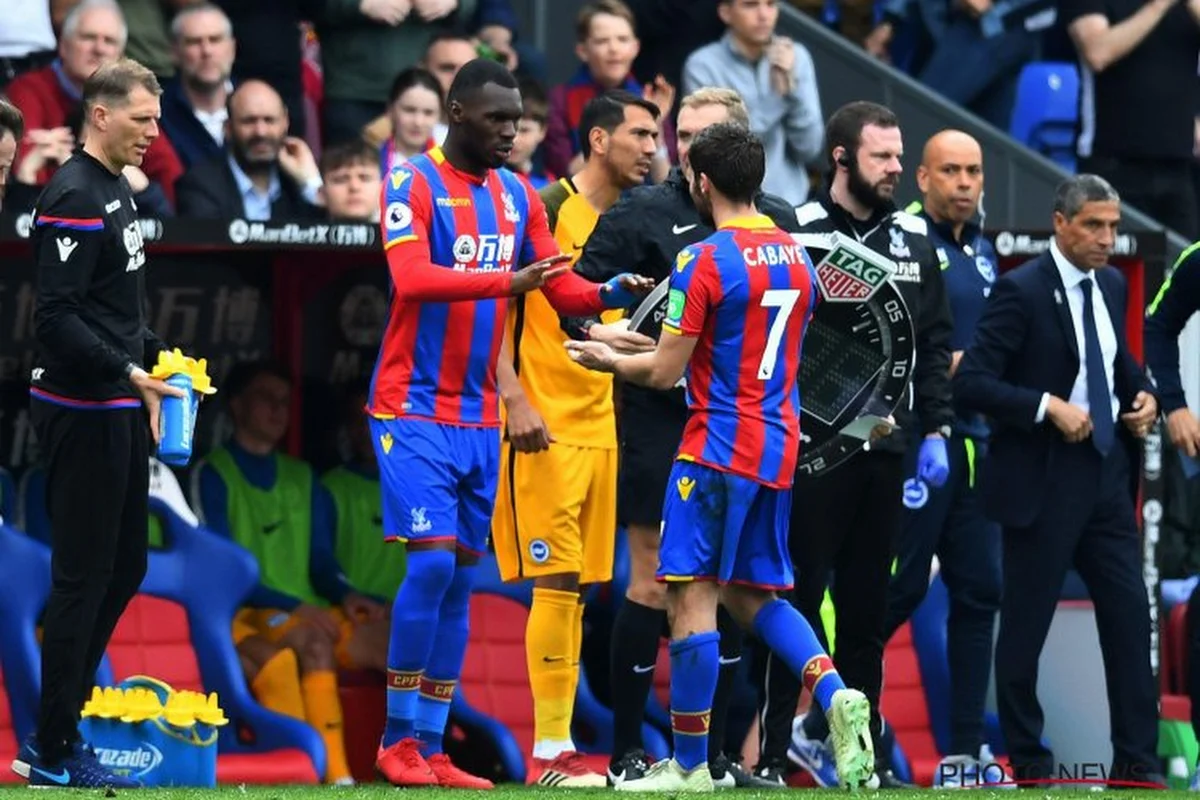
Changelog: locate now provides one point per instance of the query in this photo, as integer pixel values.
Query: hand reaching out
(596, 356)
(618, 336)
(533, 276)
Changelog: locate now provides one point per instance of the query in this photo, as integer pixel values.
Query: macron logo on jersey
(399, 176)
(66, 246)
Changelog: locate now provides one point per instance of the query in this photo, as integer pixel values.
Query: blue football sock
(414, 626)
(695, 662)
(445, 662)
(788, 634)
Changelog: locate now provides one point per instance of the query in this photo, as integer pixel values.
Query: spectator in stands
(275, 57)
(369, 562)
(193, 102)
(670, 31)
(414, 110)
(148, 41)
(264, 173)
(777, 79)
(274, 507)
(531, 131)
(853, 19)
(26, 40)
(11, 127)
(365, 45)
(444, 56)
(607, 44)
(977, 51)
(351, 181)
(1137, 116)
(93, 33)
(496, 26)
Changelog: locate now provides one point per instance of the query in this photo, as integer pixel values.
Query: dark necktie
(1099, 395)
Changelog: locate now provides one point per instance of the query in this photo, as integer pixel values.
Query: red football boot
(449, 776)
(566, 770)
(403, 765)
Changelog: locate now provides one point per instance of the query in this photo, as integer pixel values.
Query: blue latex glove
(614, 294)
(933, 465)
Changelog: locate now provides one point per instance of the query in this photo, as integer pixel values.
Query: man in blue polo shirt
(948, 521)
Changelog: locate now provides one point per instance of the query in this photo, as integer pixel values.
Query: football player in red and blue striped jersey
(738, 306)
(455, 225)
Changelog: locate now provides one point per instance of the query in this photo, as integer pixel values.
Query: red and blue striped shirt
(747, 293)
(452, 241)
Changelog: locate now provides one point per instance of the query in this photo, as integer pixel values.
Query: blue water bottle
(177, 422)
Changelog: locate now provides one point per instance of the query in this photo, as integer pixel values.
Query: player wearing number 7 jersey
(739, 304)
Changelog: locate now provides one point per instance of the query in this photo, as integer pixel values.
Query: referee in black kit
(845, 523)
(644, 232)
(94, 408)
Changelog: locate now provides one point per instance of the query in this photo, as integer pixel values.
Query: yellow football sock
(553, 666)
(325, 714)
(576, 648)
(277, 684)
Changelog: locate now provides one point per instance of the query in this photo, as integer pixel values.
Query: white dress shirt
(1072, 276)
(25, 29)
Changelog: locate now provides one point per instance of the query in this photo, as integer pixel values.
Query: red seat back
(1175, 662)
(495, 679)
(153, 638)
(905, 707)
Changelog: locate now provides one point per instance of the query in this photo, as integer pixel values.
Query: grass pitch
(515, 792)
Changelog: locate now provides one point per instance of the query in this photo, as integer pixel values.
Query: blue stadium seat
(25, 576)
(1047, 110)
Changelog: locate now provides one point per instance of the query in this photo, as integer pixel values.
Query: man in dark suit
(264, 174)
(1050, 365)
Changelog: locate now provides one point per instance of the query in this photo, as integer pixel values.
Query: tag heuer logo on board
(851, 272)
